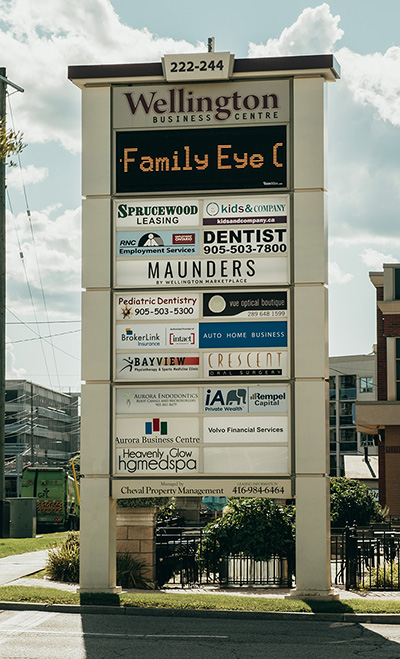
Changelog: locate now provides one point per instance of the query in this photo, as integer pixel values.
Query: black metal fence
(366, 558)
(180, 561)
(361, 558)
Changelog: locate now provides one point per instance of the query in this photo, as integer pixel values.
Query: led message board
(205, 159)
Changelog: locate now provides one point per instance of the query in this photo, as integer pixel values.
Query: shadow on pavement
(329, 607)
(100, 599)
(178, 637)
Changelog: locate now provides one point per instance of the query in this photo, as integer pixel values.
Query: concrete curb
(85, 609)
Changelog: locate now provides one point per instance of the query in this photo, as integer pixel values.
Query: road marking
(26, 619)
(102, 634)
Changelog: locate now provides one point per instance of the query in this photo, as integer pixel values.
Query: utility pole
(4, 505)
(32, 435)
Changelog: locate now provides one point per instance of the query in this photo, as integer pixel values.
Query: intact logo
(178, 336)
(156, 426)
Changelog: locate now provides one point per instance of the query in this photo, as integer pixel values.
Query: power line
(37, 338)
(28, 212)
(43, 322)
(21, 254)
(41, 337)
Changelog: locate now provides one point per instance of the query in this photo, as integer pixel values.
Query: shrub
(144, 502)
(351, 501)
(385, 576)
(63, 565)
(63, 560)
(257, 528)
(130, 572)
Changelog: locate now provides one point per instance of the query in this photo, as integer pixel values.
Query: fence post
(351, 557)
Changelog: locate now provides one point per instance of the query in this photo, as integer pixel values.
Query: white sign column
(98, 509)
(310, 341)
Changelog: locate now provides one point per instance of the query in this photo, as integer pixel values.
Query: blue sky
(38, 40)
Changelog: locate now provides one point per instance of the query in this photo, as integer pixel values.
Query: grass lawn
(210, 602)
(12, 546)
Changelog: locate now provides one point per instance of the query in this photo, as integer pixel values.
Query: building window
(346, 414)
(368, 440)
(332, 465)
(348, 387)
(348, 440)
(397, 369)
(332, 387)
(11, 395)
(366, 385)
(332, 414)
(332, 440)
(397, 283)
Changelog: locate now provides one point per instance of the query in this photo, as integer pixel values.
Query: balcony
(348, 394)
(377, 414)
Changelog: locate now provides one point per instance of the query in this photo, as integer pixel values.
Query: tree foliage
(257, 528)
(11, 142)
(351, 501)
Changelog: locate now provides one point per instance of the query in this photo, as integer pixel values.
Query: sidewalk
(21, 565)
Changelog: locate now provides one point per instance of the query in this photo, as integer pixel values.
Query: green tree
(10, 142)
(351, 501)
(258, 528)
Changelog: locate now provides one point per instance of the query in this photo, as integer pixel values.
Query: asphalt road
(47, 635)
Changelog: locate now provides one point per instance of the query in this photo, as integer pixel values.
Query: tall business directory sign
(204, 308)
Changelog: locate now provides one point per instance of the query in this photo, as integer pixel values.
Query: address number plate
(197, 66)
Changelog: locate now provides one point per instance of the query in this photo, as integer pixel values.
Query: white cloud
(337, 276)
(51, 262)
(45, 37)
(364, 114)
(315, 31)
(375, 260)
(374, 80)
(11, 371)
(29, 175)
(360, 239)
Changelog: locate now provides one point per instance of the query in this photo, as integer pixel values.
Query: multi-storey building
(383, 415)
(42, 426)
(352, 378)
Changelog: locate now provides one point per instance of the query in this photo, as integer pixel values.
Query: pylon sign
(204, 352)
